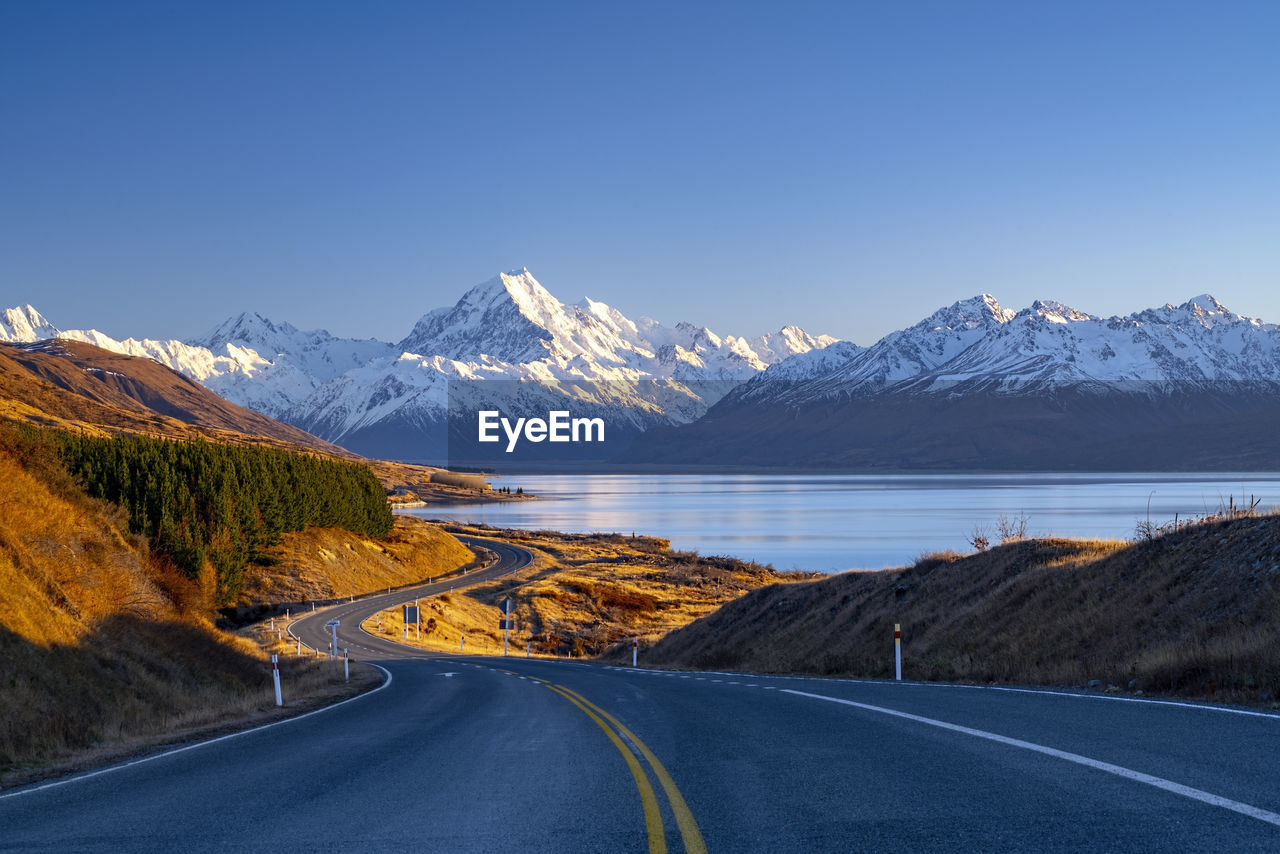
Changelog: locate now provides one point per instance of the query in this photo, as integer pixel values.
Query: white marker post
(299, 646)
(635, 649)
(506, 627)
(333, 644)
(275, 675)
(462, 644)
(346, 665)
(527, 644)
(897, 650)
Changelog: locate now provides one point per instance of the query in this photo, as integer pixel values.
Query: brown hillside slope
(1195, 613)
(70, 384)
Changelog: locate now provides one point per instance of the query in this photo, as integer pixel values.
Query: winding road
(485, 754)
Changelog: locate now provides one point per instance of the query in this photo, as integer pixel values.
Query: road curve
(311, 628)
(470, 753)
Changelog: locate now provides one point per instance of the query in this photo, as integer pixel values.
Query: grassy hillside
(99, 641)
(322, 563)
(106, 645)
(1195, 612)
(585, 594)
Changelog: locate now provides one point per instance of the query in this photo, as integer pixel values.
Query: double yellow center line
(625, 740)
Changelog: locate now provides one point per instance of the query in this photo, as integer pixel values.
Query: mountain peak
(1056, 312)
(23, 324)
(246, 328)
(1205, 303)
(981, 311)
(506, 317)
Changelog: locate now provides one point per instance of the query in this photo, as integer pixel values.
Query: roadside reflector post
(299, 646)
(273, 624)
(462, 644)
(506, 625)
(332, 625)
(897, 651)
(279, 634)
(635, 649)
(346, 665)
(286, 613)
(417, 619)
(275, 676)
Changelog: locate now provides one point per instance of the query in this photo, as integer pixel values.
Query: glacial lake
(831, 523)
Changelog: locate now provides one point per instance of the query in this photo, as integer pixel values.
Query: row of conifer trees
(201, 501)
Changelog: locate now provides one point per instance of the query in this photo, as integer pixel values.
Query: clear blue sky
(846, 166)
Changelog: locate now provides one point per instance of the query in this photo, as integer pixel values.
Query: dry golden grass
(1194, 613)
(324, 563)
(102, 648)
(583, 594)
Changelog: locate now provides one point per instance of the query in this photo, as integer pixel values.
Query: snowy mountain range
(507, 343)
(976, 385)
(1198, 341)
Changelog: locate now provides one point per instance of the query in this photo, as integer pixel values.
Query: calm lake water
(835, 522)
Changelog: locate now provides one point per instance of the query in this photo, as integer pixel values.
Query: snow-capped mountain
(24, 325)
(513, 319)
(976, 385)
(976, 339)
(507, 342)
(511, 344)
(288, 365)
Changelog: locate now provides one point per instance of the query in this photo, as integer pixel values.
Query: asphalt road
(488, 754)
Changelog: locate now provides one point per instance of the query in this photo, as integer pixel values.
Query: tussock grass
(1193, 613)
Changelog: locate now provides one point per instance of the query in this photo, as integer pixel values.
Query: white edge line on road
(1148, 701)
(1119, 771)
(187, 747)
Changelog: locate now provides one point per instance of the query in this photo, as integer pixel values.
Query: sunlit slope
(322, 563)
(98, 640)
(1194, 612)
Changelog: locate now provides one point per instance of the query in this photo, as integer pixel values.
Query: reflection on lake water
(836, 522)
